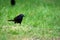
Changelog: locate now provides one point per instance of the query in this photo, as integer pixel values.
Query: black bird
(18, 19)
(12, 2)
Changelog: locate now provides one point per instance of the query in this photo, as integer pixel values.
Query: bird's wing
(17, 18)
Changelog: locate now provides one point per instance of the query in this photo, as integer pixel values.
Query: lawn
(41, 21)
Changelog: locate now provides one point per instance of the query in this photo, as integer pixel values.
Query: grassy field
(41, 21)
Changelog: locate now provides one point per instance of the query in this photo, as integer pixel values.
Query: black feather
(10, 20)
(18, 19)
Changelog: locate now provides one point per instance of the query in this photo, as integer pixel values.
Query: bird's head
(22, 15)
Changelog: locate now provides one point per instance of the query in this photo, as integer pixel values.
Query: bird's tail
(10, 20)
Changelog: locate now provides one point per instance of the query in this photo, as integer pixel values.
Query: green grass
(42, 19)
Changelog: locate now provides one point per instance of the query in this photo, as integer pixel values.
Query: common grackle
(18, 19)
